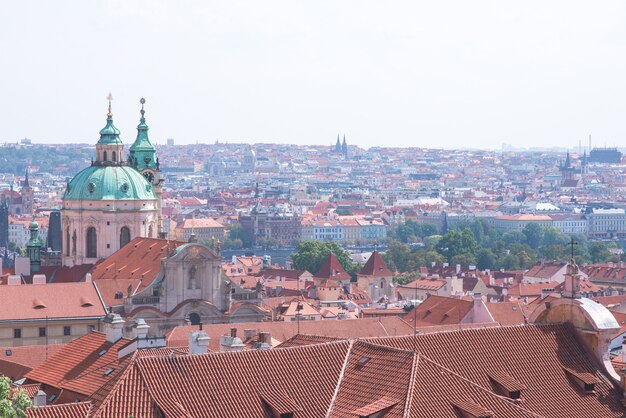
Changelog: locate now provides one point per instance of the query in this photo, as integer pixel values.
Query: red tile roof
(68, 410)
(375, 266)
(440, 310)
(507, 313)
(81, 365)
(51, 301)
(136, 265)
(282, 331)
(332, 269)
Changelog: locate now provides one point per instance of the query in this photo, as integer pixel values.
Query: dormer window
(586, 381)
(506, 385)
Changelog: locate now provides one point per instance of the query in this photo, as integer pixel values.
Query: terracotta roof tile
(69, 410)
(375, 266)
(332, 269)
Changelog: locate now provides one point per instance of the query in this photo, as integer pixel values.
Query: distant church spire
(26, 182)
(344, 147)
(338, 145)
(142, 152)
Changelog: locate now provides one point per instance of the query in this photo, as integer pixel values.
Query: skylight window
(101, 353)
(108, 372)
(363, 361)
(8, 352)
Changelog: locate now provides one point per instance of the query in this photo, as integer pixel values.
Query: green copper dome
(109, 183)
(109, 134)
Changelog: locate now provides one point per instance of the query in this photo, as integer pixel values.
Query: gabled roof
(332, 269)
(135, 265)
(375, 266)
(440, 310)
(238, 384)
(82, 365)
(534, 355)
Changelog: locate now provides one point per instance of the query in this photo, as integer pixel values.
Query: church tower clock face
(149, 176)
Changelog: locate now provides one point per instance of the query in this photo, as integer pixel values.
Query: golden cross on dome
(110, 99)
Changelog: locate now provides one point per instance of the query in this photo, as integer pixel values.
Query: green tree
(397, 255)
(534, 234)
(526, 256)
(458, 242)
(237, 231)
(312, 254)
(552, 252)
(510, 262)
(463, 260)
(485, 259)
(554, 236)
(599, 252)
(513, 237)
(12, 405)
(423, 258)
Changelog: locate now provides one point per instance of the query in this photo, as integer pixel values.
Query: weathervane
(142, 101)
(110, 99)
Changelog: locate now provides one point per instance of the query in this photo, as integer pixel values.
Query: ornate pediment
(195, 252)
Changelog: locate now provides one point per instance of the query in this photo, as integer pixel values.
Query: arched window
(150, 231)
(67, 242)
(114, 155)
(105, 155)
(74, 243)
(92, 243)
(124, 236)
(194, 318)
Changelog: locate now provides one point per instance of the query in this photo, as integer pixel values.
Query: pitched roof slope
(238, 385)
(441, 310)
(81, 365)
(375, 266)
(535, 355)
(50, 301)
(375, 378)
(68, 410)
(332, 270)
(439, 392)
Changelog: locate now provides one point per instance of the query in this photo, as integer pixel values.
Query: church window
(150, 232)
(114, 155)
(105, 155)
(192, 278)
(67, 242)
(194, 318)
(124, 236)
(92, 243)
(74, 243)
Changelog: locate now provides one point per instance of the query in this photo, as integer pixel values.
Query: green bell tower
(33, 247)
(143, 158)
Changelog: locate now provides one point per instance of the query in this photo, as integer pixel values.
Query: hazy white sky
(402, 73)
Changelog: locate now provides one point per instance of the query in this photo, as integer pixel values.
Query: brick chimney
(113, 327)
(231, 342)
(198, 342)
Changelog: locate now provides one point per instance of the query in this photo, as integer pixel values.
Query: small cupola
(109, 149)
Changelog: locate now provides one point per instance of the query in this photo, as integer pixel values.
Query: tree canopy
(12, 405)
(311, 255)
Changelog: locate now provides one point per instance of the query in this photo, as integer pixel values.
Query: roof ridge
(346, 360)
(411, 386)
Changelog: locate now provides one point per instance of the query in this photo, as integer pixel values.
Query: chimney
(229, 343)
(248, 334)
(14, 280)
(444, 265)
(432, 264)
(265, 338)
(492, 281)
(140, 329)
(39, 279)
(233, 332)
(233, 259)
(88, 278)
(113, 327)
(40, 398)
(198, 342)
(458, 269)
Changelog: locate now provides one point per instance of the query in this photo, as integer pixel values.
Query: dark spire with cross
(571, 244)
